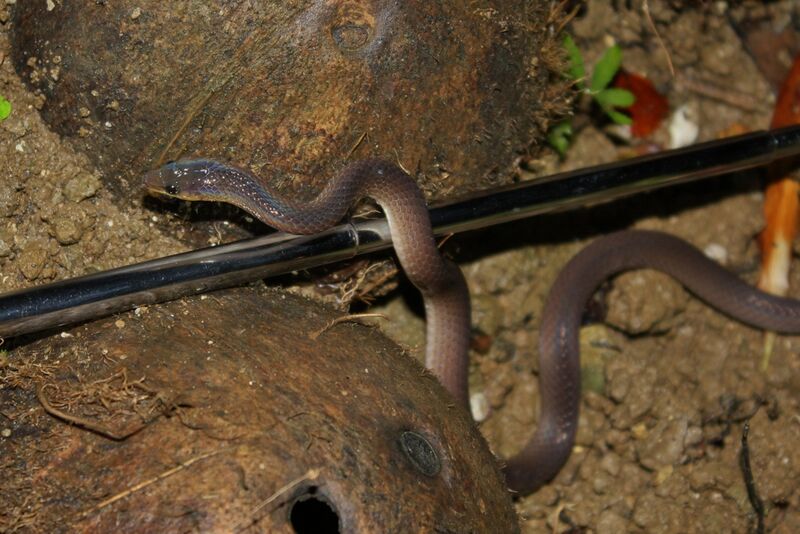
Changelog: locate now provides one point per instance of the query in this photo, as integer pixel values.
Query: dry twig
(311, 474)
(343, 319)
(140, 486)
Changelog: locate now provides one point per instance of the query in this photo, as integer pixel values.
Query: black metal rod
(100, 294)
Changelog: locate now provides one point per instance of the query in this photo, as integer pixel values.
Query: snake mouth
(160, 195)
(154, 185)
(158, 192)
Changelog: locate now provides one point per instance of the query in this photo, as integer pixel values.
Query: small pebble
(611, 463)
(716, 252)
(664, 445)
(611, 523)
(683, 129)
(479, 406)
(32, 259)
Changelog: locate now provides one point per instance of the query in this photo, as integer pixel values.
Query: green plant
(609, 99)
(5, 108)
(560, 136)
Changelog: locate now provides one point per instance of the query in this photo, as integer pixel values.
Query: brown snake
(445, 293)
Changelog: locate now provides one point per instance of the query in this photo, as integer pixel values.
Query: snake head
(184, 179)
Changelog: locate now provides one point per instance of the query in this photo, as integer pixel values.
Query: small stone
(68, 224)
(663, 474)
(664, 444)
(598, 403)
(645, 302)
(617, 438)
(601, 483)
(611, 523)
(33, 258)
(81, 186)
(136, 13)
(694, 436)
(684, 126)
(639, 431)
(716, 252)
(671, 483)
(638, 400)
(65, 230)
(658, 515)
(479, 406)
(9, 199)
(611, 463)
(619, 382)
(6, 240)
(721, 474)
(631, 479)
(589, 423)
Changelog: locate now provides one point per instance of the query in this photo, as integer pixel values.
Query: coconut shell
(292, 90)
(237, 411)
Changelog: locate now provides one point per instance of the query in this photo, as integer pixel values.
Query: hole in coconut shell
(313, 512)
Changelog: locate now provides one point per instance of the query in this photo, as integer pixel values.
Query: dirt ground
(669, 382)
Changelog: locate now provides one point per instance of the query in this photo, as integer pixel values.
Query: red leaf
(650, 106)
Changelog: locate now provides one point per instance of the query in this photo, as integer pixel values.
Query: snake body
(445, 293)
(447, 307)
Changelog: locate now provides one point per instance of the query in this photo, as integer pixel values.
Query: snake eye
(172, 189)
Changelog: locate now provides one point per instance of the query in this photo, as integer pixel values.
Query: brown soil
(671, 382)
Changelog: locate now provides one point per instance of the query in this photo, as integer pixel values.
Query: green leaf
(559, 137)
(615, 98)
(576, 69)
(606, 68)
(5, 108)
(617, 117)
